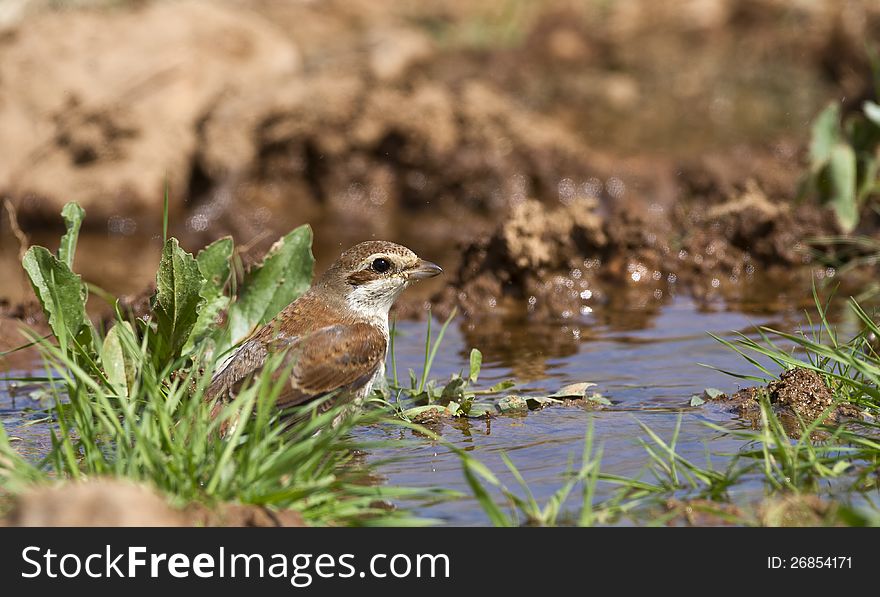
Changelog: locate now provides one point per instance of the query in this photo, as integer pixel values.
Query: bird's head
(371, 275)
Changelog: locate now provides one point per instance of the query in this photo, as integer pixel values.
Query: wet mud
(799, 398)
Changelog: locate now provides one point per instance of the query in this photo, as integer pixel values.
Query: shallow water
(649, 373)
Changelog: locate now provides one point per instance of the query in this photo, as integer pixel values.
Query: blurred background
(603, 181)
(427, 123)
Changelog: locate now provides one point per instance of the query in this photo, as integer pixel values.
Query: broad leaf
(539, 402)
(476, 364)
(825, 134)
(284, 275)
(214, 265)
(73, 216)
(178, 283)
(118, 366)
(61, 293)
(842, 178)
(512, 403)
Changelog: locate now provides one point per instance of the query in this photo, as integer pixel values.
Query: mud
(560, 143)
(799, 511)
(786, 511)
(702, 513)
(372, 106)
(799, 397)
(561, 261)
(110, 503)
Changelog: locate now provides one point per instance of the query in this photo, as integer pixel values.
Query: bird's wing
(334, 357)
(337, 357)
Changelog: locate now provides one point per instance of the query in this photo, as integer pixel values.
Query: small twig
(21, 237)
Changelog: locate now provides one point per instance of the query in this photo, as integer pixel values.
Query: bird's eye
(381, 265)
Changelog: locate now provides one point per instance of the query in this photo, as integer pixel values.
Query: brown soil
(702, 513)
(561, 261)
(798, 395)
(557, 148)
(798, 511)
(786, 511)
(110, 503)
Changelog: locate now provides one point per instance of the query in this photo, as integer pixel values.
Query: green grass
(127, 401)
(162, 433)
(128, 398)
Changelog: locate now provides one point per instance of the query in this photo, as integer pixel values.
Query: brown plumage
(334, 337)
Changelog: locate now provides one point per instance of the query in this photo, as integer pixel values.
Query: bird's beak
(423, 269)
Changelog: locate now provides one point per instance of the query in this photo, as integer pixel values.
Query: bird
(335, 336)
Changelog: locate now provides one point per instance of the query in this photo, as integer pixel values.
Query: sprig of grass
(131, 403)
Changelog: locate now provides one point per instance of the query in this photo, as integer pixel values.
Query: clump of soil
(798, 511)
(798, 395)
(550, 259)
(340, 147)
(97, 503)
(785, 511)
(703, 513)
(560, 261)
(732, 239)
(113, 503)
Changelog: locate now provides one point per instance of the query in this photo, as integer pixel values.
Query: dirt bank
(565, 149)
(111, 503)
(260, 108)
(561, 261)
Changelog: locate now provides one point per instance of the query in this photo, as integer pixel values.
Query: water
(647, 366)
(648, 373)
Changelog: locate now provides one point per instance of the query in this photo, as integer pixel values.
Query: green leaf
(501, 386)
(284, 275)
(713, 392)
(454, 389)
(426, 414)
(118, 366)
(840, 467)
(842, 177)
(872, 111)
(214, 265)
(178, 283)
(825, 134)
(73, 216)
(476, 365)
(61, 293)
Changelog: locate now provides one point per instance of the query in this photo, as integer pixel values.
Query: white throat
(372, 301)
